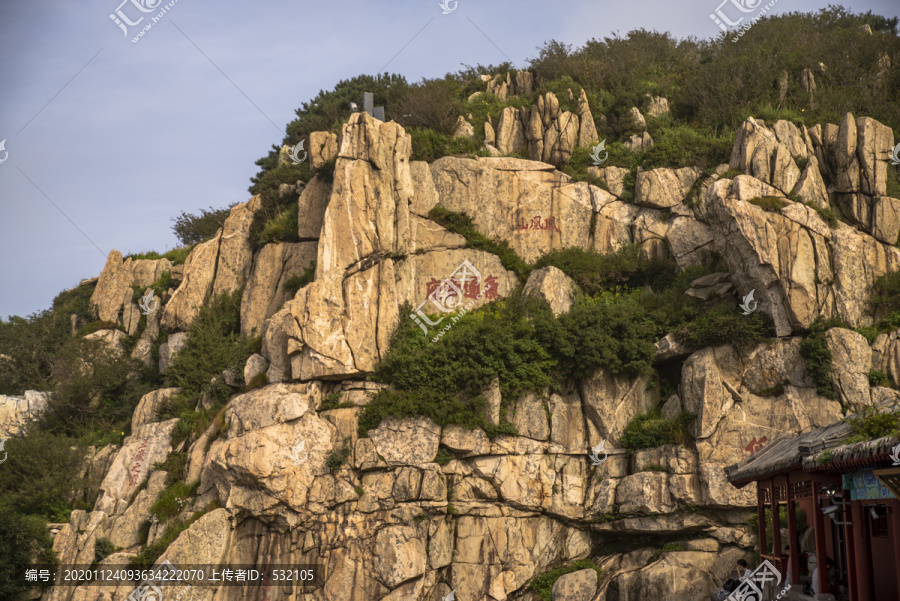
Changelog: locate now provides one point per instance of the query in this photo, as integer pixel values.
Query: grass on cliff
(650, 429)
(213, 344)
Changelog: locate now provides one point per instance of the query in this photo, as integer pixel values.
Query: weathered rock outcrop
(113, 291)
(410, 509)
(17, 411)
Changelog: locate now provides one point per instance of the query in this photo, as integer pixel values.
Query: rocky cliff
(416, 510)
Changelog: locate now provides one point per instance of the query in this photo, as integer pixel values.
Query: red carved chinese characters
(537, 223)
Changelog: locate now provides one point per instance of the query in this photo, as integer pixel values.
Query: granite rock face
(411, 509)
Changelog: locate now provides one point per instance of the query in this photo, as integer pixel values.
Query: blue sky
(123, 136)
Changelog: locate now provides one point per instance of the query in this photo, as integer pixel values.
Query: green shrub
(177, 256)
(24, 541)
(878, 378)
(31, 343)
(103, 548)
(338, 457)
(595, 273)
(273, 211)
(870, 424)
(430, 145)
(173, 500)
(669, 548)
(886, 297)
(543, 584)
(296, 282)
(688, 146)
(444, 381)
(193, 229)
(333, 401)
(828, 215)
(96, 391)
(769, 203)
(443, 457)
(723, 325)
(650, 429)
(175, 467)
(814, 350)
(614, 333)
(462, 224)
(213, 344)
(39, 476)
(280, 228)
(95, 326)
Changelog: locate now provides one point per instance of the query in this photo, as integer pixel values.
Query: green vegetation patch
(296, 282)
(769, 203)
(814, 350)
(650, 429)
(870, 424)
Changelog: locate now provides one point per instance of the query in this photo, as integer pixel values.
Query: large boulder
(113, 290)
(851, 362)
(323, 147)
(553, 286)
(275, 449)
(510, 136)
(577, 586)
(148, 445)
(758, 152)
(17, 411)
(664, 188)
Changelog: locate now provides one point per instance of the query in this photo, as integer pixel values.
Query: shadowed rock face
(414, 510)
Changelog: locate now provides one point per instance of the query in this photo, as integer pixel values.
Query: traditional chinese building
(848, 494)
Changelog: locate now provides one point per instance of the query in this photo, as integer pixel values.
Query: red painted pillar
(895, 538)
(821, 549)
(761, 519)
(776, 529)
(850, 550)
(792, 536)
(863, 559)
